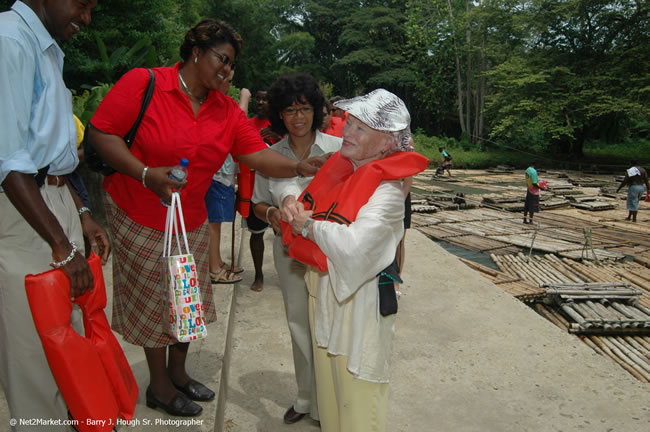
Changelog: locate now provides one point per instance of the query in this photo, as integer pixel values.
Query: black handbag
(93, 159)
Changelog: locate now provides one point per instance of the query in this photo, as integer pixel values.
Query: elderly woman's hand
(157, 179)
(290, 208)
(299, 220)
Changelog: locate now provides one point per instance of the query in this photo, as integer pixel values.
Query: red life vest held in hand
(337, 193)
(92, 372)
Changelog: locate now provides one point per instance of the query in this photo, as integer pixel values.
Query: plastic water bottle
(178, 173)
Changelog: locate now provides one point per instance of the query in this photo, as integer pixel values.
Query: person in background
(43, 222)
(256, 226)
(74, 178)
(346, 227)
(327, 117)
(446, 162)
(296, 109)
(636, 179)
(531, 205)
(337, 119)
(188, 117)
(220, 203)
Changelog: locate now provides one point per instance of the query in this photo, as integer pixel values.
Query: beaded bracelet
(144, 174)
(267, 213)
(56, 265)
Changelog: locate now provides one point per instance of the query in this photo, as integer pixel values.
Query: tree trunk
(468, 76)
(482, 86)
(459, 83)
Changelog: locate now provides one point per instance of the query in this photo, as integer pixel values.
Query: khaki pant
(296, 306)
(25, 376)
(345, 403)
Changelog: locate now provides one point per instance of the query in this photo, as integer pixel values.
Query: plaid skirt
(137, 278)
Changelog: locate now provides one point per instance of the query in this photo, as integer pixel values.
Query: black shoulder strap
(128, 138)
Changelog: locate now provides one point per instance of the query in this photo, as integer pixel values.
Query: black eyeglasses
(224, 59)
(305, 111)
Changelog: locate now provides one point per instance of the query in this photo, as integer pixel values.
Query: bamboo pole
(618, 358)
(641, 363)
(643, 340)
(575, 315)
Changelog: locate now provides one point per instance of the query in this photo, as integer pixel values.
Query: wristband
(83, 210)
(267, 213)
(55, 264)
(144, 174)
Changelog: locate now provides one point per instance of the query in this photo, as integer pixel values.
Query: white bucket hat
(382, 111)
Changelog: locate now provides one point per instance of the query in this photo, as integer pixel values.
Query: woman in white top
(295, 109)
(348, 236)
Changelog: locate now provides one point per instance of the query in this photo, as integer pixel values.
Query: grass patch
(597, 155)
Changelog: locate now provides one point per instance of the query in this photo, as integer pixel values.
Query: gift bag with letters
(183, 309)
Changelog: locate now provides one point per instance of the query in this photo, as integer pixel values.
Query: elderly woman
(346, 227)
(188, 117)
(296, 110)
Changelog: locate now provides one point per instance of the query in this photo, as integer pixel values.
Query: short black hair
(209, 33)
(289, 89)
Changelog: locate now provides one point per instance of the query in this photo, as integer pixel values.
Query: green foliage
(125, 34)
(85, 104)
(535, 76)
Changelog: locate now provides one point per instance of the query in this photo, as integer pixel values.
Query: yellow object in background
(80, 130)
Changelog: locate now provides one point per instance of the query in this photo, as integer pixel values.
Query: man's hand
(77, 270)
(96, 235)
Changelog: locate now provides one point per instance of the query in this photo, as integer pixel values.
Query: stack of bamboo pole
(632, 353)
(601, 308)
(520, 288)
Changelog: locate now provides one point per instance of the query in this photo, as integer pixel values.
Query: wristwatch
(304, 231)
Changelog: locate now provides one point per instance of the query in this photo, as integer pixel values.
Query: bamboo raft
(524, 277)
(581, 247)
(600, 308)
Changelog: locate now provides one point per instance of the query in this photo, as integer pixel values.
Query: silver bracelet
(144, 174)
(83, 210)
(56, 265)
(267, 213)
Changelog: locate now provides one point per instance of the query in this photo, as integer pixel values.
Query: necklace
(187, 90)
(307, 150)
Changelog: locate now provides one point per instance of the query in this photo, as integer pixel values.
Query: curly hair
(208, 33)
(294, 88)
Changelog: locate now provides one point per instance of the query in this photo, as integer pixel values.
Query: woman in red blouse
(187, 118)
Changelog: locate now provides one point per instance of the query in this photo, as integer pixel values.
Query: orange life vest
(338, 192)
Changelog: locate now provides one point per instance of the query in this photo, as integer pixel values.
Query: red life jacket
(338, 192)
(91, 371)
(246, 176)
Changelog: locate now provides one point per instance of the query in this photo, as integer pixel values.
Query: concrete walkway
(467, 357)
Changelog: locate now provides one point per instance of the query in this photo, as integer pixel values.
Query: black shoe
(180, 406)
(292, 416)
(196, 391)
